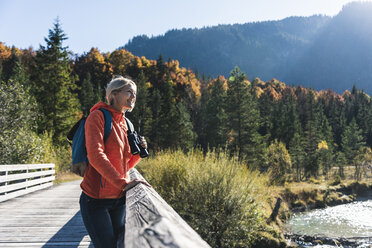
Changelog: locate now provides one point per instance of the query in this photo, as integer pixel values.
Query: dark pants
(104, 219)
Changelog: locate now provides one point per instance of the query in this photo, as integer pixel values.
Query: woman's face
(125, 98)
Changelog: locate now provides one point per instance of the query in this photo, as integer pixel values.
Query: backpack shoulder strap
(108, 123)
(130, 125)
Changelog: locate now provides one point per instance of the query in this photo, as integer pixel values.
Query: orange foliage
(346, 94)
(272, 93)
(221, 79)
(5, 52)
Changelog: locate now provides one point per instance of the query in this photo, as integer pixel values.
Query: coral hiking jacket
(110, 161)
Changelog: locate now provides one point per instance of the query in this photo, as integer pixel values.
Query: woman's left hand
(143, 142)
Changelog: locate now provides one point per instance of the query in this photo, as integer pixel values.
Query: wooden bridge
(50, 216)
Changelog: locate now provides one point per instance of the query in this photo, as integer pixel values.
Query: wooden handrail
(151, 222)
(21, 179)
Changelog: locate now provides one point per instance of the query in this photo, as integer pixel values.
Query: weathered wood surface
(151, 222)
(46, 218)
(22, 179)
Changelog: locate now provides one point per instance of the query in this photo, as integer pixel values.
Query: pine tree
(156, 122)
(352, 140)
(266, 111)
(88, 96)
(311, 136)
(201, 118)
(160, 66)
(141, 115)
(53, 86)
(298, 155)
(243, 119)
(215, 115)
(14, 70)
(176, 129)
(185, 134)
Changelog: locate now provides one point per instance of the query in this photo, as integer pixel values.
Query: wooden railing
(21, 179)
(151, 222)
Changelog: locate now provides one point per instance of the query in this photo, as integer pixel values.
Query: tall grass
(215, 193)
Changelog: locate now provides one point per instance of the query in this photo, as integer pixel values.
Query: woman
(102, 202)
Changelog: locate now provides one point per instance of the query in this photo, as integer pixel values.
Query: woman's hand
(143, 142)
(134, 182)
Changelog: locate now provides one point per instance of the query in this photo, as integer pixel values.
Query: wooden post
(276, 209)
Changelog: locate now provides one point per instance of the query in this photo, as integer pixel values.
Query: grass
(65, 176)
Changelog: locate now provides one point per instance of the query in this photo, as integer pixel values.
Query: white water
(348, 221)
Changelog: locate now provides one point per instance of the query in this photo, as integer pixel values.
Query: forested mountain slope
(318, 51)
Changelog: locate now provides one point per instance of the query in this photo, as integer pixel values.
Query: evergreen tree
(341, 162)
(53, 86)
(311, 136)
(176, 129)
(285, 120)
(88, 97)
(184, 127)
(141, 115)
(201, 118)
(352, 140)
(156, 123)
(160, 66)
(96, 65)
(298, 155)
(215, 115)
(13, 68)
(244, 119)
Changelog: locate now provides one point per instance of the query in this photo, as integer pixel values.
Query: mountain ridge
(317, 51)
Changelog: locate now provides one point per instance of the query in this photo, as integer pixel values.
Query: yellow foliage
(322, 145)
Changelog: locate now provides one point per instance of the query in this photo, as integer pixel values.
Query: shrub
(217, 195)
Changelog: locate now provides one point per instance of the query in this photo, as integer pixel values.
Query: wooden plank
(29, 183)
(153, 223)
(51, 244)
(45, 218)
(20, 176)
(24, 191)
(18, 167)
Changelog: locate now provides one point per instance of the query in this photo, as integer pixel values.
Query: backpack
(76, 138)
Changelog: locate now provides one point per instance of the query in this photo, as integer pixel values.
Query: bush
(19, 142)
(218, 196)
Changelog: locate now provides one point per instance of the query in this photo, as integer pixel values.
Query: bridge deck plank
(46, 218)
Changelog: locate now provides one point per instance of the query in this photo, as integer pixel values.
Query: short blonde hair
(115, 85)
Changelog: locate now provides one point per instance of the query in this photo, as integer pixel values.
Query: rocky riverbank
(321, 196)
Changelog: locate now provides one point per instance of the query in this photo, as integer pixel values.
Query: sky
(110, 24)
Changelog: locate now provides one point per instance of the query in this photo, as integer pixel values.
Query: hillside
(318, 51)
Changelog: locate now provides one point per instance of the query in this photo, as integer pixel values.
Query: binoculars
(135, 145)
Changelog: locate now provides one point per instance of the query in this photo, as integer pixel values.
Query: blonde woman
(102, 202)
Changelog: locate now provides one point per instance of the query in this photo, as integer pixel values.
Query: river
(352, 221)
